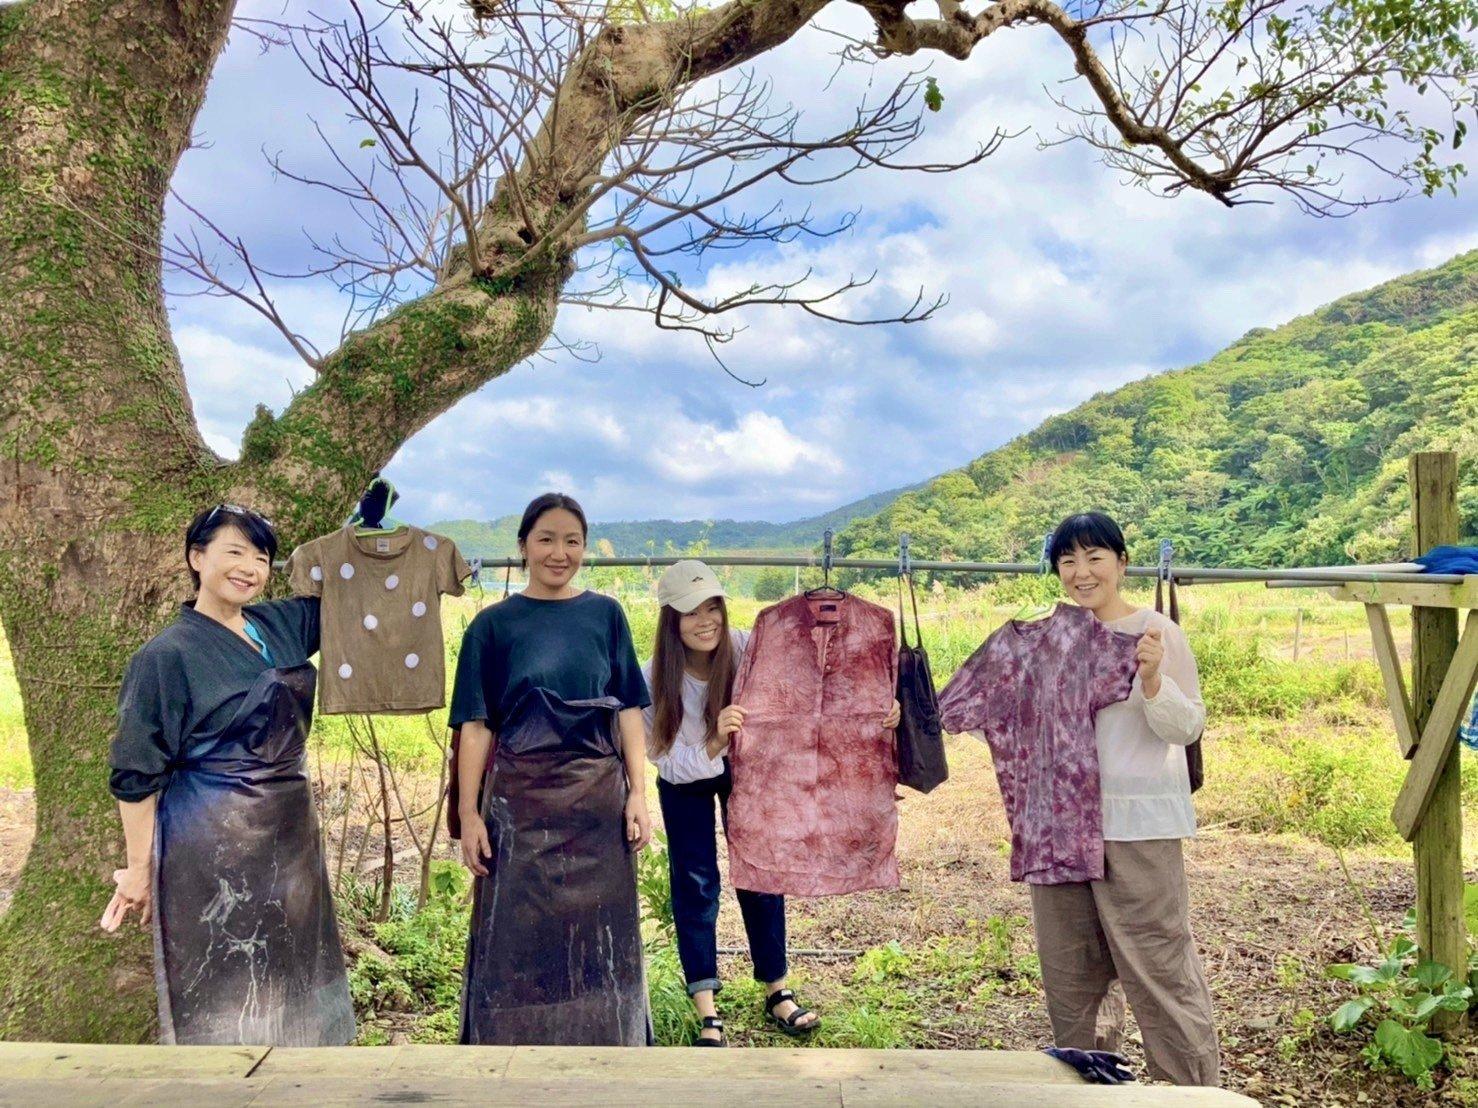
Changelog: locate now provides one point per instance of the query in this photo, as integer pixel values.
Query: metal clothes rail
(1315, 577)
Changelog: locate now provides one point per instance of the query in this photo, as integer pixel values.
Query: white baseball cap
(687, 584)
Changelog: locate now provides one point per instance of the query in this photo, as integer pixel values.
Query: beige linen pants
(1132, 927)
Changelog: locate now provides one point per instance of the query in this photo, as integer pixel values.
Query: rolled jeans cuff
(696, 987)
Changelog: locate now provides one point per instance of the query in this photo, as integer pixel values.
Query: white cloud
(557, 480)
(760, 445)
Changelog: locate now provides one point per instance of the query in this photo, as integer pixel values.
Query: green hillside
(632, 538)
(1287, 448)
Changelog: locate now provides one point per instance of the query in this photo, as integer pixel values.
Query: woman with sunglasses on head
(550, 791)
(689, 725)
(224, 856)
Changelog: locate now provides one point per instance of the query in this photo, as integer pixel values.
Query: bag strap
(1160, 591)
(918, 634)
(1193, 760)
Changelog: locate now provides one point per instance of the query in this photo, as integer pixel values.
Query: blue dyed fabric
(1449, 559)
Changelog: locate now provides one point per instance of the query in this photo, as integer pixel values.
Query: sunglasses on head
(238, 510)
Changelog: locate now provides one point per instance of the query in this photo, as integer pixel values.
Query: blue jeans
(692, 859)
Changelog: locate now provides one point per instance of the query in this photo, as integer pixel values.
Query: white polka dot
(392, 581)
(418, 609)
(346, 571)
(370, 623)
(412, 661)
(316, 573)
(430, 541)
(346, 671)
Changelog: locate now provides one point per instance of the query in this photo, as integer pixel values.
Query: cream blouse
(1145, 785)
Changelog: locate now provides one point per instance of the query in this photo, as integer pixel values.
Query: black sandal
(789, 1024)
(712, 1023)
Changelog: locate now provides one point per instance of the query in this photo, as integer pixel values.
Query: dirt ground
(1269, 914)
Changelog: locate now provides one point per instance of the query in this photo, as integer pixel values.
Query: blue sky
(1063, 282)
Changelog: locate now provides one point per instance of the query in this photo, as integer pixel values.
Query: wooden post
(1437, 844)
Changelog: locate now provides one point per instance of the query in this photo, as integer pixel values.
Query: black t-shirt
(577, 649)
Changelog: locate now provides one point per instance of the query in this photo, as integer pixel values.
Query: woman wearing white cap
(689, 723)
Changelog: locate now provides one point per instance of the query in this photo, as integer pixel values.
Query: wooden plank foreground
(64, 1074)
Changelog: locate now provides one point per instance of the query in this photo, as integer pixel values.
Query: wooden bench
(63, 1074)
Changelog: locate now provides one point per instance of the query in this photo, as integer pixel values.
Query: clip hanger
(905, 560)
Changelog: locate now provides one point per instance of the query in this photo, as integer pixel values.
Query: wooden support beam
(1438, 739)
(1437, 832)
(1390, 671)
(1412, 595)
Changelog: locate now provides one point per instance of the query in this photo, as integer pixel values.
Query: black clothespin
(905, 560)
(1167, 551)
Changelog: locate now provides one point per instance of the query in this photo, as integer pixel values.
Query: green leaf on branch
(933, 98)
(1431, 974)
(1411, 1051)
(1350, 1013)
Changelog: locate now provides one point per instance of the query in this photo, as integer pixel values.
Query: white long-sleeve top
(1145, 785)
(687, 760)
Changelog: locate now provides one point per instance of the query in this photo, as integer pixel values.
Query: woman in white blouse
(689, 723)
(1132, 927)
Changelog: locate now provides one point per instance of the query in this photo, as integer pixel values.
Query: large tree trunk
(101, 462)
(102, 459)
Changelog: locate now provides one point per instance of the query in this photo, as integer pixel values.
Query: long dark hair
(668, 657)
(548, 502)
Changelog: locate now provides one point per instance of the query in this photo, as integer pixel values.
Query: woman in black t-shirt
(551, 802)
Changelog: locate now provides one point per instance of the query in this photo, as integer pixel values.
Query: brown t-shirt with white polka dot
(382, 649)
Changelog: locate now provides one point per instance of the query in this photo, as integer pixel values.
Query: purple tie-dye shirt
(1033, 688)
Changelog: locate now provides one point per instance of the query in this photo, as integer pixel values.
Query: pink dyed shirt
(812, 811)
(1033, 689)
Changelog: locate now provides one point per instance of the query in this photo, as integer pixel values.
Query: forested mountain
(1287, 448)
(498, 538)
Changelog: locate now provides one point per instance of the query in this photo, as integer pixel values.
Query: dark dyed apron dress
(246, 947)
(554, 955)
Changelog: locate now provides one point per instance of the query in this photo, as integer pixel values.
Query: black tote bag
(1193, 763)
(921, 761)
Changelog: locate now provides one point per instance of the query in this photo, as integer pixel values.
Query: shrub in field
(674, 1020)
(1399, 997)
(774, 583)
(654, 890)
(1336, 786)
(425, 949)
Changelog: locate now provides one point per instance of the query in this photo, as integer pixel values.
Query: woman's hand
(894, 715)
(729, 721)
(638, 822)
(475, 843)
(134, 891)
(1151, 652)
